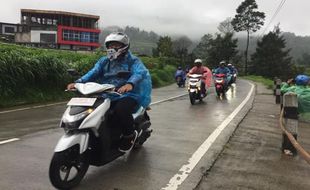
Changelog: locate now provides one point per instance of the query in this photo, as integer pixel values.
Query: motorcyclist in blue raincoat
(231, 68)
(180, 73)
(222, 69)
(135, 89)
(233, 72)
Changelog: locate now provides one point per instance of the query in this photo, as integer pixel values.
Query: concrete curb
(206, 163)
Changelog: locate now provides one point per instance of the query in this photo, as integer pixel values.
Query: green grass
(34, 75)
(308, 71)
(35, 97)
(267, 82)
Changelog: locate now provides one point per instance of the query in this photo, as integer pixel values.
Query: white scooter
(88, 138)
(194, 88)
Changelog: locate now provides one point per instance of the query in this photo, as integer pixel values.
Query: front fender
(69, 140)
(192, 90)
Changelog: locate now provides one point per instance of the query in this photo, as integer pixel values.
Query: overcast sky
(193, 18)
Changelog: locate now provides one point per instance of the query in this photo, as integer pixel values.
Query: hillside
(298, 45)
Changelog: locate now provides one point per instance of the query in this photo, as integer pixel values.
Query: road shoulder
(252, 159)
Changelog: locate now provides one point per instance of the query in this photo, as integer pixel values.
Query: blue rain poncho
(104, 72)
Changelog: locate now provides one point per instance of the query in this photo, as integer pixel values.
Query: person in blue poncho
(180, 76)
(222, 69)
(135, 90)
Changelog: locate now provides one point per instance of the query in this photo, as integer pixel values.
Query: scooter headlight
(219, 80)
(74, 121)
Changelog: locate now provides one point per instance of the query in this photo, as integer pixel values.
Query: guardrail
(289, 124)
(277, 90)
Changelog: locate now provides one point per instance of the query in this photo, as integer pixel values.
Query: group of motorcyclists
(227, 72)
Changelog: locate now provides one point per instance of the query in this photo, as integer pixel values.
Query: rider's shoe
(127, 142)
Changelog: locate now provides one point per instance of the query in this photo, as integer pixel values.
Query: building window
(9, 30)
(85, 37)
(70, 36)
(24, 19)
(65, 35)
(33, 19)
(49, 21)
(94, 38)
(77, 36)
(47, 38)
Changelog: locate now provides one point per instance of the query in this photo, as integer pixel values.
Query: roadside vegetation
(31, 75)
(265, 81)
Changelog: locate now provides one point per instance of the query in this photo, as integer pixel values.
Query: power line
(274, 16)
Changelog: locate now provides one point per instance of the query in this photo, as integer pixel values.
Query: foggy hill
(297, 44)
(142, 42)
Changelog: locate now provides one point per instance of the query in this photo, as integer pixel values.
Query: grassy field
(308, 71)
(267, 82)
(32, 75)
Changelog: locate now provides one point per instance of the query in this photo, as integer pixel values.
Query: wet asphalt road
(179, 129)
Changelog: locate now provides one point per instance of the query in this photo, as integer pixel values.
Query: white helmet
(198, 61)
(119, 37)
(229, 65)
(222, 63)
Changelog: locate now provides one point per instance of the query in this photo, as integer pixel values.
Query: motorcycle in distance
(180, 81)
(194, 88)
(220, 84)
(233, 78)
(180, 77)
(88, 138)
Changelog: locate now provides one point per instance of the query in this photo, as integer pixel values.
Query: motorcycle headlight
(74, 121)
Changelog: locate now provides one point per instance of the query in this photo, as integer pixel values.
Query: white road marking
(167, 99)
(9, 140)
(186, 169)
(47, 105)
(32, 107)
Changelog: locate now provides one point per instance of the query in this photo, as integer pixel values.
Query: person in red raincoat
(204, 71)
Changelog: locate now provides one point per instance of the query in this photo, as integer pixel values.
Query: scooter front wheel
(67, 169)
(192, 97)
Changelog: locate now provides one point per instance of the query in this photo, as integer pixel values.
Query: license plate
(81, 102)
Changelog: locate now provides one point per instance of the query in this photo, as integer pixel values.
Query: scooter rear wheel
(66, 170)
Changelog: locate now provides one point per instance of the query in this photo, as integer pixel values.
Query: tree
(271, 58)
(249, 20)
(201, 50)
(222, 48)
(304, 60)
(153, 37)
(226, 26)
(180, 48)
(164, 46)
